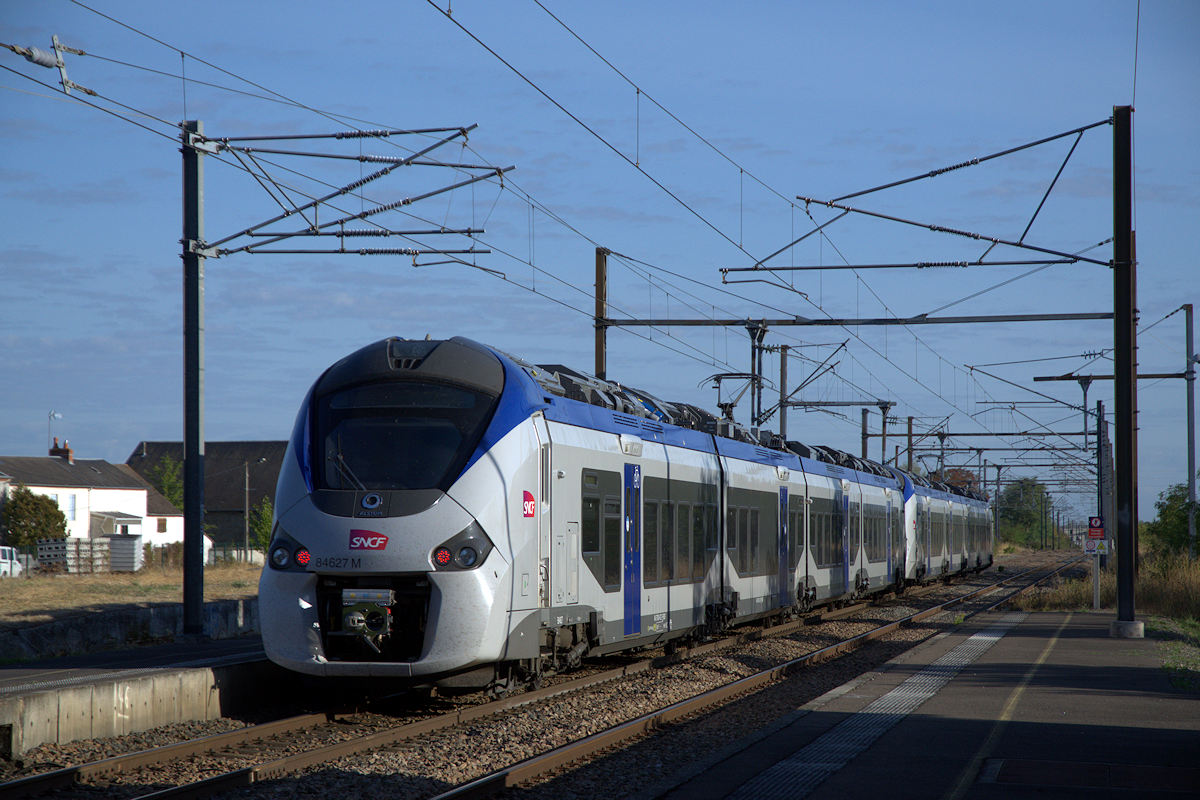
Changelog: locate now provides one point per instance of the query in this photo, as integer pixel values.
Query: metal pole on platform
(193, 381)
(1190, 376)
(1125, 370)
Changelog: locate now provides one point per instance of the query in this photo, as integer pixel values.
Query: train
(453, 516)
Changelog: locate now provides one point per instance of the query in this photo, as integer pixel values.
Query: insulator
(42, 58)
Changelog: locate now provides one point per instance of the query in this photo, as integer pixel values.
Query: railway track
(201, 768)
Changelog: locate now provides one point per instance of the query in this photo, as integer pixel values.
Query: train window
(612, 544)
(631, 510)
(698, 542)
(682, 544)
(830, 549)
(731, 535)
(874, 535)
(600, 527)
(711, 513)
(650, 543)
(744, 559)
(591, 525)
(756, 559)
(397, 435)
(668, 542)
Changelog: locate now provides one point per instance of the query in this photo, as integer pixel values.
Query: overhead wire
(331, 115)
(1078, 132)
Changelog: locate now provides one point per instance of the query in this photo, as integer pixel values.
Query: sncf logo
(367, 540)
(529, 505)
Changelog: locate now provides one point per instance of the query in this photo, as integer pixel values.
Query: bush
(28, 517)
(1167, 585)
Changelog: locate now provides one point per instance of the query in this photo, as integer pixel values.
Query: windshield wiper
(344, 469)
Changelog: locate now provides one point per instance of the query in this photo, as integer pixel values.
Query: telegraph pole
(1125, 371)
(193, 380)
(1190, 377)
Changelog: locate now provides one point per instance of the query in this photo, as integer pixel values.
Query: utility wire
(330, 115)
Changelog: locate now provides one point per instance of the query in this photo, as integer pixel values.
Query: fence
(237, 554)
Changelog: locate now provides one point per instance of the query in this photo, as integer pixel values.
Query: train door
(539, 508)
(923, 522)
(785, 562)
(633, 549)
(844, 503)
(891, 539)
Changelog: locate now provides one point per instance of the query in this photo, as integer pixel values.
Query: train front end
(374, 569)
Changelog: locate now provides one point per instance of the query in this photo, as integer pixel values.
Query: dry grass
(41, 598)
(1166, 586)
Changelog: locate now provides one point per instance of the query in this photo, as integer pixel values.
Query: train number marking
(367, 540)
(529, 505)
(337, 563)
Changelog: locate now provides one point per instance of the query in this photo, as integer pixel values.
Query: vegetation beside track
(43, 597)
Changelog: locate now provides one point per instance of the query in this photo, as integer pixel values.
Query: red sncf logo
(367, 540)
(529, 505)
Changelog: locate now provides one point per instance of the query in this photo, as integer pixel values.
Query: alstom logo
(367, 540)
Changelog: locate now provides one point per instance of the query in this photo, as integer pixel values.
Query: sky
(677, 135)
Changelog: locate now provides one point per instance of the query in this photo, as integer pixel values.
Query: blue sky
(817, 100)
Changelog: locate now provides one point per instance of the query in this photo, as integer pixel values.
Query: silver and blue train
(453, 516)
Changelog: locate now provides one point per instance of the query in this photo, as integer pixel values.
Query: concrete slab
(119, 692)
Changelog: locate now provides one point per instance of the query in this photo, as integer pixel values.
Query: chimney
(65, 452)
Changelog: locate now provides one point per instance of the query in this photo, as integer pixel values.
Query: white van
(9, 563)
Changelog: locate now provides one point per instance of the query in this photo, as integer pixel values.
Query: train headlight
(467, 550)
(280, 557)
(286, 553)
(467, 557)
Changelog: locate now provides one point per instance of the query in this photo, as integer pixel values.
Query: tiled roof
(156, 504)
(224, 473)
(85, 473)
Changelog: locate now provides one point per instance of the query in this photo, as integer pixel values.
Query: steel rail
(560, 757)
(69, 776)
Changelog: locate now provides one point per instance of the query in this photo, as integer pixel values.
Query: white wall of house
(73, 502)
(173, 533)
(77, 505)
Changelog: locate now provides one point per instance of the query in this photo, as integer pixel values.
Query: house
(98, 498)
(237, 476)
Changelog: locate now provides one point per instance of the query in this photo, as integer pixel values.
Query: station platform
(115, 692)
(1013, 705)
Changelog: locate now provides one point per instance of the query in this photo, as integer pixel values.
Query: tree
(260, 524)
(167, 477)
(28, 517)
(1021, 508)
(1169, 531)
(957, 476)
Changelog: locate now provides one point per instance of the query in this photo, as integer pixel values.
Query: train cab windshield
(397, 435)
